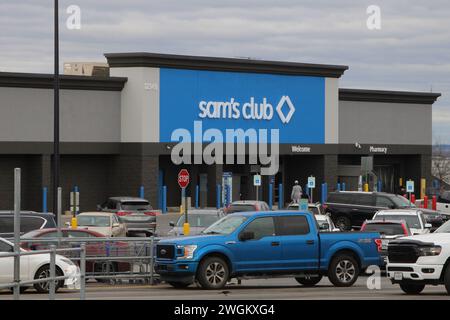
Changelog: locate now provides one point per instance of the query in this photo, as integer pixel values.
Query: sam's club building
(118, 131)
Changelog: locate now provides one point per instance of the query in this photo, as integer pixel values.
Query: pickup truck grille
(165, 251)
(402, 253)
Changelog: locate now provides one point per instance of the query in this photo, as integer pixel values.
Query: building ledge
(46, 81)
(388, 96)
(158, 60)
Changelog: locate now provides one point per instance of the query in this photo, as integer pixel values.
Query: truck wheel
(412, 288)
(343, 223)
(309, 280)
(179, 285)
(343, 271)
(447, 279)
(213, 273)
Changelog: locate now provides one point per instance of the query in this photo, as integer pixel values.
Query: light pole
(56, 110)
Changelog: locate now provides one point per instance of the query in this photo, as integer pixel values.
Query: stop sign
(183, 178)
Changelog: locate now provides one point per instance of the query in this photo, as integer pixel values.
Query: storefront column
(215, 172)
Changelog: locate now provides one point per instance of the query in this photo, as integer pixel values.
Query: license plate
(398, 276)
(138, 218)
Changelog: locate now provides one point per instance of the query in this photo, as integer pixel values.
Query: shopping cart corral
(108, 260)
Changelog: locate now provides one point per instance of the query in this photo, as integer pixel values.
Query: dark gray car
(29, 220)
(137, 214)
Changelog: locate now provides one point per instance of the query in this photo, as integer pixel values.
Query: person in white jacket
(296, 193)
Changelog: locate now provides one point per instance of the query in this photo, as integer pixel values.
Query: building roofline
(147, 59)
(70, 82)
(387, 96)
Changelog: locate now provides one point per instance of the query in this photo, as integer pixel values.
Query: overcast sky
(411, 51)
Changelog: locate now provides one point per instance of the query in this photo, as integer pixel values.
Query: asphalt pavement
(255, 289)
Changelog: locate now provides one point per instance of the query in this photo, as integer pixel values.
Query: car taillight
(379, 243)
(124, 213)
(152, 213)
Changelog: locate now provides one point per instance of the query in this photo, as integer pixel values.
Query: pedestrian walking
(296, 193)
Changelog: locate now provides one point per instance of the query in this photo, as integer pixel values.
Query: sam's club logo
(250, 110)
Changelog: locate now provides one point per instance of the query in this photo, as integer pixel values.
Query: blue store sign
(231, 100)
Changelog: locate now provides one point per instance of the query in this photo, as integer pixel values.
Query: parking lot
(257, 289)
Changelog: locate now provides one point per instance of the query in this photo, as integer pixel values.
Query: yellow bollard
(366, 187)
(401, 182)
(73, 223)
(423, 188)
(186, 229)
(181, 209)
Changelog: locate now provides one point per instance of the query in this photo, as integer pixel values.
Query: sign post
(183, 181)
(74, 206)
(257, 184)
(311, 185)
(410, 189)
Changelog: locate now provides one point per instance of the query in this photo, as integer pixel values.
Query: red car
(93, 249)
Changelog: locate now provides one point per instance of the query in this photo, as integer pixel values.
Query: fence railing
(108, 259)
(53, 278)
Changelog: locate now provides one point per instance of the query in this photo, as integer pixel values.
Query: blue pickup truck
(265, 244)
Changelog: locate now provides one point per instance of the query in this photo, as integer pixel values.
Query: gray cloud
(410, 52)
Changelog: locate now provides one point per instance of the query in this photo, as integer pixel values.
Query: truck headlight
(430, 251)
(188, 252)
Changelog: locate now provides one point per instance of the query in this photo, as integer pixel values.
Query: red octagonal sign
(183, 178)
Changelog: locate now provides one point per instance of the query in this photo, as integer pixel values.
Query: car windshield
(135, 205)
(93, 221)
(389, 229)
(402, 202)
(445, 228)
(411, 220)
(226, 225)
(240, 208)
(313, 210)
(199, 220)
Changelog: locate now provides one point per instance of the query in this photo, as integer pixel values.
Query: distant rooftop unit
(94, 69)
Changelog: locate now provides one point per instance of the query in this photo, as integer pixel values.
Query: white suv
(414, 219)
(416, 261)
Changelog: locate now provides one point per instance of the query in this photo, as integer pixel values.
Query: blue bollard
(44, 199)
(141, 192)
(326, 192)
(306, 190)
(270, 195)
(218, 196)
(75, 189)
(197, 193)
(164, 199)
(343, 186)
(227, 193)
(338, 187)
(280, 196)
(379, 185)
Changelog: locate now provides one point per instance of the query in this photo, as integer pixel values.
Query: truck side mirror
(247, 235)
(171, 224)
